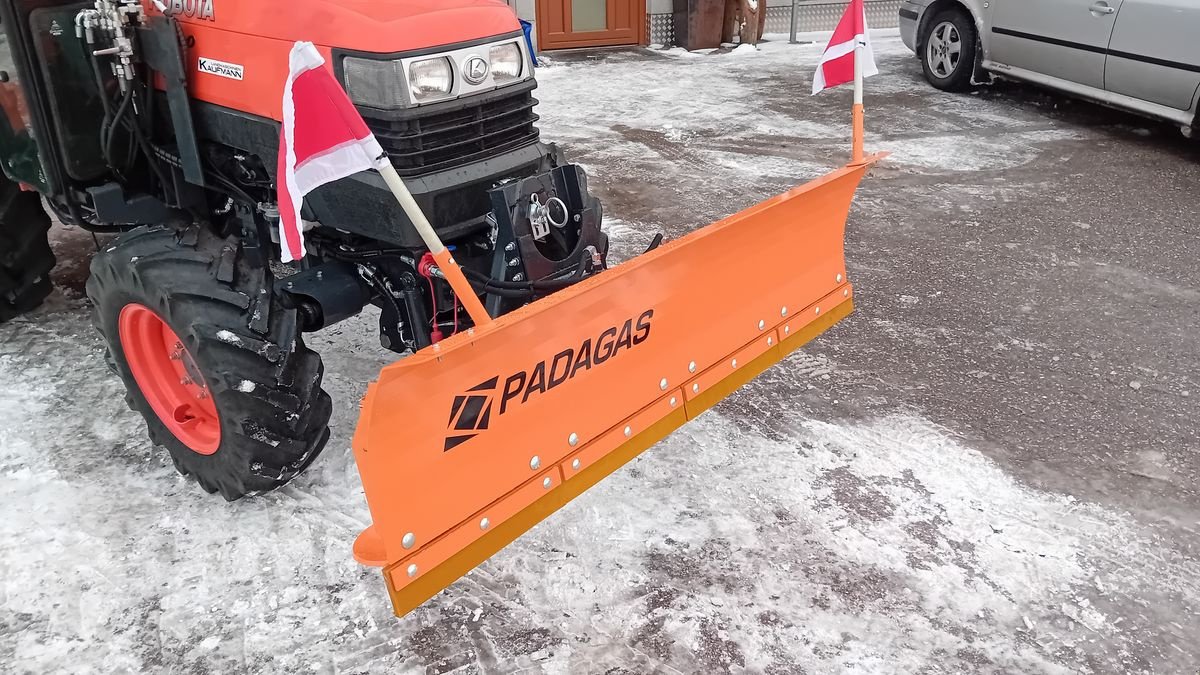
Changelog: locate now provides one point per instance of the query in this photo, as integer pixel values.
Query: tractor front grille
(436, 141)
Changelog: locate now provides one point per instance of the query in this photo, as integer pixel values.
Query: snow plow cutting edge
(466, 445)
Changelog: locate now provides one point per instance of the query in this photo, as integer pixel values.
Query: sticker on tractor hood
(471, 412)
(232, 71)
(198, 9)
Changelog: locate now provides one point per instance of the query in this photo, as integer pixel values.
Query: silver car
(1139, 55)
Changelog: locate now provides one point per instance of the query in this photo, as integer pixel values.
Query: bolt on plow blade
(466, 445)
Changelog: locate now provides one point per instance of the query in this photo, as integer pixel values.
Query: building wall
(526, 9)
(812, 15)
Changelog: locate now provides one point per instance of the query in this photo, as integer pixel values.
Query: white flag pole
(857, 155)
(450, 270)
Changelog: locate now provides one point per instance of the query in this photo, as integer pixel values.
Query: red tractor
(160, 121)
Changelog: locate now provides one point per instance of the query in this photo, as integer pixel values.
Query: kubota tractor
(161, 121)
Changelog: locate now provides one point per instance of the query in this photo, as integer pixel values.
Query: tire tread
(25, 256)
(271, 432)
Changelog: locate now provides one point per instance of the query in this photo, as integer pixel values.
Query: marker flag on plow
(837, 64)
(324, 139)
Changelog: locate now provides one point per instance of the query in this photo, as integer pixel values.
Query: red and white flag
(837, 65)
(324, 139)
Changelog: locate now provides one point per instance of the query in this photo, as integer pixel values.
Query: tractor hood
(381, 26)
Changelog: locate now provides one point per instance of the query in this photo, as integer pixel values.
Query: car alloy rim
(944, 50)
(168, 378)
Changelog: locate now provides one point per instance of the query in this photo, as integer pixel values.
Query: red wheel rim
(169, 379)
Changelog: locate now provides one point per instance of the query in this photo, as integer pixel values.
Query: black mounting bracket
(519, 256)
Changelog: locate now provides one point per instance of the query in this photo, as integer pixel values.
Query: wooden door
(564, 24)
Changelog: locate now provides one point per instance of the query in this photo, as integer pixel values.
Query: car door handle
(1102, 8)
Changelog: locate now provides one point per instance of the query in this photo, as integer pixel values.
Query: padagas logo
(471, 412)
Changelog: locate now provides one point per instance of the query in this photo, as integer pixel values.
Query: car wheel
(948, 50)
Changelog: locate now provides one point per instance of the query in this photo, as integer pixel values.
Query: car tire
(948, 47)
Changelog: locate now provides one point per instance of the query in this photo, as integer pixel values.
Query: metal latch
(542, 216)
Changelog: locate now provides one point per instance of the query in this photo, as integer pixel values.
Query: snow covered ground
(961, 477)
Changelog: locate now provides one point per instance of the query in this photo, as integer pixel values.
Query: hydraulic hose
(107, 134)
(527, 286)
(548, 285)
(485, 289)
(482, 281)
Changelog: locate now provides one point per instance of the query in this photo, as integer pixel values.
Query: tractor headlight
(408, 82)
(375, 83)
(507, 62)
(430, 78)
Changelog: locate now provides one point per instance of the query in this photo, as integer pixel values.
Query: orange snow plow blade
(466, 445)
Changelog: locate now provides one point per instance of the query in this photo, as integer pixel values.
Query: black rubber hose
(105, 102)
(228, 185)
(151, 159)
(526, 286)
(485, 289)
(542, 285)
(107, 123)
(118, 116)
(484, 283)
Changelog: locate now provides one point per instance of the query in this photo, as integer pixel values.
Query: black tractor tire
(25, 256)
(265, 384)
(944, 70)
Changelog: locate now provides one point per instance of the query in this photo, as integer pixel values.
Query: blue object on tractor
(527, 28)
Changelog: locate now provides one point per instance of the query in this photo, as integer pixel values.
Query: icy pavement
(959, 478)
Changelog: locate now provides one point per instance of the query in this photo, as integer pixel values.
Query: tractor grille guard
(438, 139)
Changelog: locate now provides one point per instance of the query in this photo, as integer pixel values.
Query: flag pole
(857, 152)
(450, 269)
